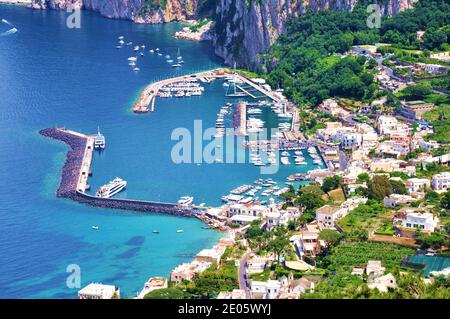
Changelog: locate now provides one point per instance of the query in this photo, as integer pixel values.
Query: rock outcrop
(139, 11)
(242, 28)
(246, 28)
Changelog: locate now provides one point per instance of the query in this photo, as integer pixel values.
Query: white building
(383, 283)
(441, 182)
(374, 268)
(422, 221)
(386, 124)
(428, 146)
(265, 289)
(256, 264)
(99, 291)
(246, 209)
(328, 215)
(417, 184)
(395, 200)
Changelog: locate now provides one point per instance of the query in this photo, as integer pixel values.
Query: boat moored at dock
(112, 188)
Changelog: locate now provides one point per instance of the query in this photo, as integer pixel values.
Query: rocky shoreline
(70, 173)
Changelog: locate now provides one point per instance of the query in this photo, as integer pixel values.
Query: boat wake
(10, 31)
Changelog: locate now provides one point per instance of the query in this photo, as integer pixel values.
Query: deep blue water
(51, 75)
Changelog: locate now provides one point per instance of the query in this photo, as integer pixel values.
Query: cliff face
(140, 11)
(246, 28)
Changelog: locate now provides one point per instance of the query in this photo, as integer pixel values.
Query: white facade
(99, 291)
(441, 182)
(417, 184)
(269, 289)
(386, 124)
(424, 221)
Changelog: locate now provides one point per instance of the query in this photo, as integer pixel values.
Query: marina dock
(146, 100)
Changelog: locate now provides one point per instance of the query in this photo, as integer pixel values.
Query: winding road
(242, 275)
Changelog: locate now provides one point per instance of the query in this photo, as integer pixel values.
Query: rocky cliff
(140, 11)
(246, 28)
(243, 28)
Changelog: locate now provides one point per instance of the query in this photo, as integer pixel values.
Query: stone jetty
(70, 176)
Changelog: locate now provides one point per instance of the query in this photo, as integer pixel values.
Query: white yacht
(99, 142)
(185, 200)
(112, 188)
(285, 161)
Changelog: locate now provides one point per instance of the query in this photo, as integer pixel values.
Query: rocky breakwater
(71, 172)
(244, 29)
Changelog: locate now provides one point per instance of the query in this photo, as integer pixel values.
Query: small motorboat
(136, 69)
(155, 231)
(180, 230)
(95, 227)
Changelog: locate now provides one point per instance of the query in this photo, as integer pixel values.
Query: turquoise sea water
(51, 75)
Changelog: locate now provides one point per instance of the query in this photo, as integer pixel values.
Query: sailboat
(234, 82)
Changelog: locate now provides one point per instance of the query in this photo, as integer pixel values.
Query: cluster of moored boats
(220, 120)
(139, 50)
(247, 194)
(316, 157)
(184, 88)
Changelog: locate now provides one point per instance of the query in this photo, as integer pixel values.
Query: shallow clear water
(51, 75)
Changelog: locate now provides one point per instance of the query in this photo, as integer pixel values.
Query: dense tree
(398, 187)
(304, 62)
(330, 236)
(310, 197)
(418, 91)
(165, 293)
(330, 183)
(379, 187)
(445, 201)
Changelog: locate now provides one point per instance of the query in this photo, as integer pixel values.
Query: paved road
(242, 274)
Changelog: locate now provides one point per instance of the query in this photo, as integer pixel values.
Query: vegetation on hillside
(304, 62)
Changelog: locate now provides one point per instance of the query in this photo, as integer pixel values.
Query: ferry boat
(99, 142)
(185, 200)
(112, 188)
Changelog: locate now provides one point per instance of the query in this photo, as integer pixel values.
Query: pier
(146, 100)
(76, 171)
